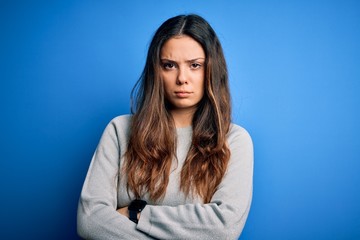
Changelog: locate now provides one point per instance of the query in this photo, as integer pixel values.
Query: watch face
(137, 205)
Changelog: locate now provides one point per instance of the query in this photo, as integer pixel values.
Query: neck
(182, 117)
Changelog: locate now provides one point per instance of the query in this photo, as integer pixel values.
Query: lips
(182, 94)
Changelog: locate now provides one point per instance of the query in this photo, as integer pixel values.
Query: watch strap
(135, 208)
(133, 216)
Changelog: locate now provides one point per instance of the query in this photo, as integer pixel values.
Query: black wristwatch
(134, 208)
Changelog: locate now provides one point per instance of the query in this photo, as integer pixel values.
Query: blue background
(67, 68)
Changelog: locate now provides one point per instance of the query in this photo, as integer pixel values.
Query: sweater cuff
(144, 224)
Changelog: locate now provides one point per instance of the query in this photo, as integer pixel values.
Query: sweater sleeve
(224, 217)
(97, 215)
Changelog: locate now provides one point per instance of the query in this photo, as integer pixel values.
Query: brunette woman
(177, 168)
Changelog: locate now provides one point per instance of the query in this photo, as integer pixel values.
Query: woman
(177, 168)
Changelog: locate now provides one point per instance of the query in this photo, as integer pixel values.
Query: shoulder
(121, 121)
(119, 126)
(238, 132)
(239, 138)
(241, 148)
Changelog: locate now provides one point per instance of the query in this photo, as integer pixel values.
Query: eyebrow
(191, 60)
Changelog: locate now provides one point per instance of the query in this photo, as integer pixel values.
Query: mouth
(182, 94)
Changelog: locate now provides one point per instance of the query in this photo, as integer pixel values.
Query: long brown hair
(152, 142)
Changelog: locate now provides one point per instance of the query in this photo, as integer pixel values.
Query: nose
(182, 77)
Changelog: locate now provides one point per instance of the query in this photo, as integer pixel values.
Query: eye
(195, 65)
(168, 66)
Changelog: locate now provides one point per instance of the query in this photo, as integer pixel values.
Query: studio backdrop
(67, 68)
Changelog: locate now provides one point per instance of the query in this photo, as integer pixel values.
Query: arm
(97, 215)
(224, 217)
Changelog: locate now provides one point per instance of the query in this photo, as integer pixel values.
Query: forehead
(182, 48)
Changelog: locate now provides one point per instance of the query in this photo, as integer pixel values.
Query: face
(183, 72)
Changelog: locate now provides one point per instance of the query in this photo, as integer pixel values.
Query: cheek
(202, 91)
(167, 79)
(167, 85)
(167, 88)
(201, 84)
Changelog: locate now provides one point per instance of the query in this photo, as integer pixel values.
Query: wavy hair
(152, 142)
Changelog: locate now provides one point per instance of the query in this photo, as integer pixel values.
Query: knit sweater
(175, 216)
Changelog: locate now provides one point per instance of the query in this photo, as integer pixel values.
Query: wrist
(135, 209)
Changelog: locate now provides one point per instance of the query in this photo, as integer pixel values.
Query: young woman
(177, 168)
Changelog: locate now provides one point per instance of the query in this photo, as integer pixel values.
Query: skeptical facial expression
(183, 72)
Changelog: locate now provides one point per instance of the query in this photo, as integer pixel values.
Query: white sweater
(175, 216)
